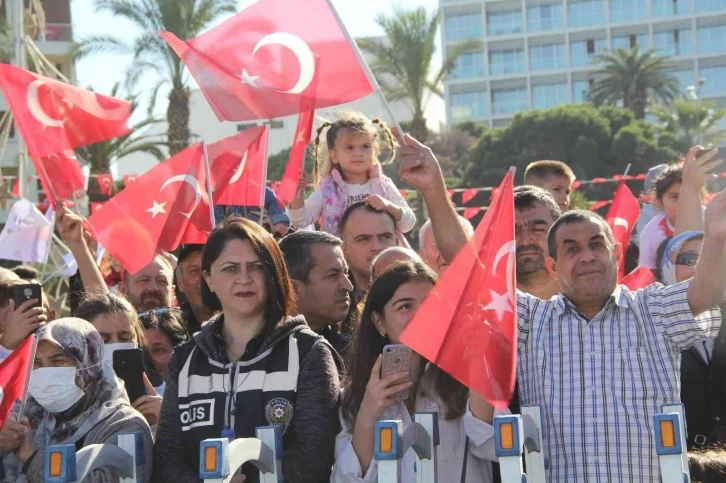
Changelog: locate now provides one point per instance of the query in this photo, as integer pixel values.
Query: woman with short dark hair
(251, 366)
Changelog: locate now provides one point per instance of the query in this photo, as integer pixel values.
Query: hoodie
(287, 376)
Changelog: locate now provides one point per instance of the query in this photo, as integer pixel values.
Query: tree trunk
(97, 166)
(177, 116)
(639, 102)
(418, 126)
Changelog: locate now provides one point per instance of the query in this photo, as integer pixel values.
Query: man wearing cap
(188, 275)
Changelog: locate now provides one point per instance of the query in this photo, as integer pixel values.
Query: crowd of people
(272, 323)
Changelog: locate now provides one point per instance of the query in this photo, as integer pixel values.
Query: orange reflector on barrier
(667, 434)
(386, 440)
(210, 458)
(506, 435)
(56, 464)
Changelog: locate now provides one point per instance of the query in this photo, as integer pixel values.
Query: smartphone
(23, 293)
(396, 358)
(129, 367)
(719, 155)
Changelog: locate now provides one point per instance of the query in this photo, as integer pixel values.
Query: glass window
(463, 26)
(579, 91)
(544, 17)
(670, 8)
(711, 39)
(685, 78)
(713, 76)
(584, 52)
(627, 10)
(583, 13)
(545, 57)
(673, 42)
(506, 101)
(710, 5)
(468, 105)
(629, 41)
(504, 22)
(549, 95)
(506, 61)
(468, 65)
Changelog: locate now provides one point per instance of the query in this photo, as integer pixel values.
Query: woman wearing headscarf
(703, 366)
(73, 399)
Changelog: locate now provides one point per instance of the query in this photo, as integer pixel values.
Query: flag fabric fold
(296, 163)
(621, 217)
(467, 324)
(14, 377)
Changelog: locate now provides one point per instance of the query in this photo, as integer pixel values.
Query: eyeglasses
(687, 259)
(159, 311)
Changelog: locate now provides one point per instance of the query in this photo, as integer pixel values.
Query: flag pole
(627, 170)
(264, 179)
(208, 174)
(366, 67)
(27, 376)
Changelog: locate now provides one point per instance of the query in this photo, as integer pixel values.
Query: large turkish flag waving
(621, 217)
(261, 63)
(467, 325)
(163, 208)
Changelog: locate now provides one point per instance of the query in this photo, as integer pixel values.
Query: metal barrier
(517, 434)
(392, 443)
(63, 464)
(670, 444)
(220, 458)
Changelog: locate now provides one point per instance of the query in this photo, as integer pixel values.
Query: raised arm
(420, 169)
(695, 176)
(70, 227)
(708, 287)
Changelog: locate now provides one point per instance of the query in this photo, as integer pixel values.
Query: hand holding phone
(129, 367)
(25, 315)
(381, 392)
(699, 165)
(396, 360)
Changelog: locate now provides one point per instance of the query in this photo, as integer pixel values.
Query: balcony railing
(56, 32)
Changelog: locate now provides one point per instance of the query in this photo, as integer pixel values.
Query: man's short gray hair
(466, 224)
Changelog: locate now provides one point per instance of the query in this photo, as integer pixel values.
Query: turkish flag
(53, 116)
(129, 178)
(239, 168)
(165, 207)
(105, 184)
(621, 217)
(260, 63)
(96, 205)
(14, 377)
(639, 278)
(60, 175)
(296, 163)
(467, 324)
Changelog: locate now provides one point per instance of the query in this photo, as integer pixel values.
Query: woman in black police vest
(251, 366)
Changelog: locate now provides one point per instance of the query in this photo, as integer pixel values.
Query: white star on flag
(301, 136)
(156, 209)
(249, 79)
(500, 303)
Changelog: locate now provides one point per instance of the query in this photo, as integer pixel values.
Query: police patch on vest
(196, 413)
(279, 411)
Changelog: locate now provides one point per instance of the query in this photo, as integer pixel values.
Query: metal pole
(27, 376)
(207, 171)
(17, 8)
(264, 179)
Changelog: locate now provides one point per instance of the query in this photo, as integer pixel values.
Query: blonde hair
(354, 122)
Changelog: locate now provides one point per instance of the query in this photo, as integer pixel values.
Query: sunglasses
(687, 259)
(159, 311)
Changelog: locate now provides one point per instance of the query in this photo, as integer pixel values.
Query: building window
(583, 13)
(580, 90)
(463, 26)
(710, 5)
(504, 22)
(544, 17)
(584, 52)
(506, 61)
(713, 76)
(468, 65)
(627, 10)
(468, 105)
(673, 42)
(685, 78)
(627, 42)
(671, 8)
(508, 101)
(549, 95)
(546, 57)
(711, 39)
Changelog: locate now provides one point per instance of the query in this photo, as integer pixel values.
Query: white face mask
(55, 388)
(109, 349)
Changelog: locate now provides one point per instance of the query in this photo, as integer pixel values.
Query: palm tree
(185, 19)
(100, 156)
(633, 78)
(693, 122)
(403, 62)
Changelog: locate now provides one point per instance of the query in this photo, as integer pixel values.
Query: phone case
(128, 365)
(396, 358)
(25, 292)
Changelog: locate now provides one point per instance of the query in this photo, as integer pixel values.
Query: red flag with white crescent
(621, 217)
(14, 377)
(105, 184)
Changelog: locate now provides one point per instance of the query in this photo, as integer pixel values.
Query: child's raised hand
(377, 202)
(302, 180)
(696, 170)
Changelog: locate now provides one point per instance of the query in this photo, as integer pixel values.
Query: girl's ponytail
(316, 165)
(391, 140)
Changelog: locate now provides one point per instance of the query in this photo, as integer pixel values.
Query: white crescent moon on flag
(621, 222)
(193, 182)
(105, 114)
(507, 249)
(35, 108)
(301, 50)
(238, 174)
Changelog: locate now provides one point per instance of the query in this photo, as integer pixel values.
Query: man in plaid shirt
(599, 359)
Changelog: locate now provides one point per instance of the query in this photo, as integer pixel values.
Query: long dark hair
(280, 298)
(368, 344)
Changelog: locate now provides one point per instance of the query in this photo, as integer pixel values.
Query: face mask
(55, 388)
(109, 349)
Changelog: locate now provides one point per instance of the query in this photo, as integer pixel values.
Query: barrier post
(534, 444)
(508, 440)
(388, 450)
(427, 468)
(681, 411)
(670, 448)
(272, 438)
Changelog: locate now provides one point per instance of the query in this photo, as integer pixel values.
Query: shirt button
(596, 458)
(594, 420)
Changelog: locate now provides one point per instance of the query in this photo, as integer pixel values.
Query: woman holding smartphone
(251, 366)
(464, 418)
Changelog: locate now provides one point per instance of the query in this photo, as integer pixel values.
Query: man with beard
(535, 210)
(151, 287)
(188, 282)
(320, 274)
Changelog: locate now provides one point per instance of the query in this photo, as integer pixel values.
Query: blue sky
(102, 71)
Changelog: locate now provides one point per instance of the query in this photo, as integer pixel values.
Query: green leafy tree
(690, 123)
(183, 18)
(632, 78)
